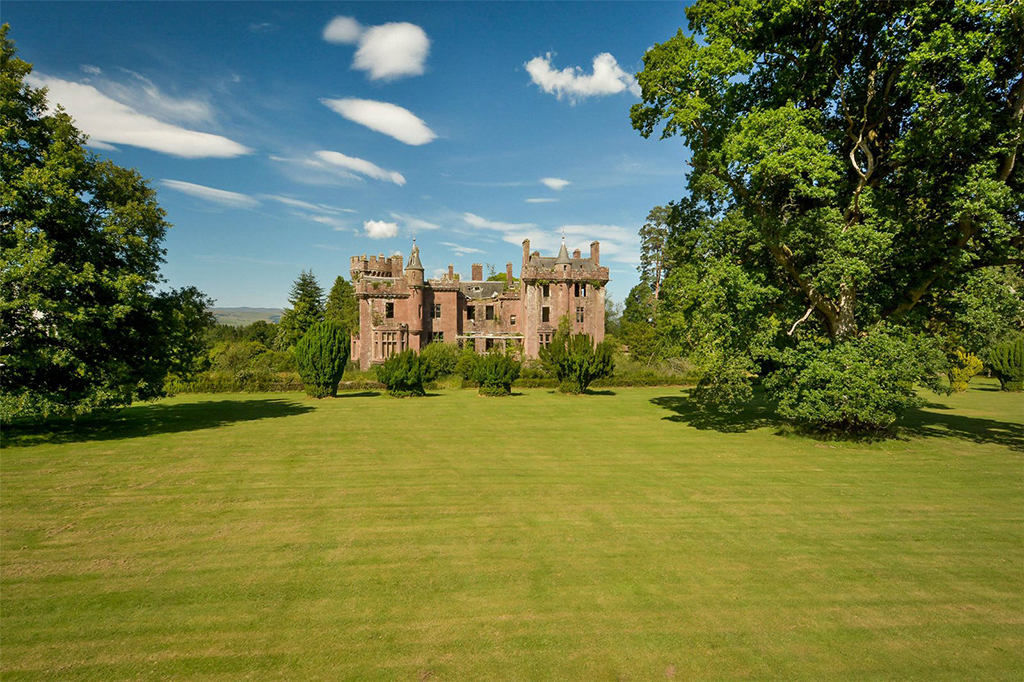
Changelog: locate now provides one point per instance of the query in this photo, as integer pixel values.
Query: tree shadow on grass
(357, 394)
(598, 391)
(923, 423)
(151, 419)
(757, 414)
(918, 423)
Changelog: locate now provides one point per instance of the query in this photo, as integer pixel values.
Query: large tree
(856, 153)
(307, 301)
(82, 326)
(342, 305)
(848, 159)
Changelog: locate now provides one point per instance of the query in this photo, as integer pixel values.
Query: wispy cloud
(333, 222)
(384, 117)
(385, 52)
(220, 197)
(536, 200)
(106, 120)
(91, 70)
(462, 250)
(379, 229)
(298, 203)
(555, 183)
(607, 78)
(361, 166)
(414, 224)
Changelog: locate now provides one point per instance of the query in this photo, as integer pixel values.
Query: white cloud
(216, 196)
(379, 229)
(331, 221)
(413, 223)
(384, 117)
(107, 120)
(298, 203)
(387, 52)
(361, 166)
(607, 78)
(478, 221)
(143, 94)
(533, 200)
(555, 183)
(90, 69)
(343, 30)
(462, 250)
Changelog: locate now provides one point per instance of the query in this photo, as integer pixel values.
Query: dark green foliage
(82, 326)
(853, 165)
(466, 365)
(321, 355)
(862, 384)
(403, 374)
(307, 299)
(1007, 362)
(575, 362)
(342, 305)
(495, 373)
(440, 360)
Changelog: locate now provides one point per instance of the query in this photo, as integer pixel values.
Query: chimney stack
(595, 252)
(508, 274)
(526, 252)
(451, 272)
(478, 272)
(397, 270)
(576, 253)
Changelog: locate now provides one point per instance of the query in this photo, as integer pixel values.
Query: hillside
(239, 317)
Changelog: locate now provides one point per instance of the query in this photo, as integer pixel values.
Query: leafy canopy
(82, 326)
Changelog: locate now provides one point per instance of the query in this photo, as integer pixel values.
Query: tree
(849, 159)
(576, 362)
(342, 305)
(495, 373)
(638, 324)
(653, 244)
(82, 326)
(321, 354)
(1007, 361)
(403, 374)
(307, 300)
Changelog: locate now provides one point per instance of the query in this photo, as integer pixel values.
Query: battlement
(376, 266)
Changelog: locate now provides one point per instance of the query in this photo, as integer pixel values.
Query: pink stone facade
(399, 309)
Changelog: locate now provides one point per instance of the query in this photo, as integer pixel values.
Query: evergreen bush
(1007, 362)
(440, 360)
(576, 362)
(321, 355)
(495, 373)
(466, 366)
(403, 374)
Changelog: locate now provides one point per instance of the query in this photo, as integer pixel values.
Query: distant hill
(239, 317)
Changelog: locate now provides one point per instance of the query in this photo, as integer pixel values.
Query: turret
(414, 270)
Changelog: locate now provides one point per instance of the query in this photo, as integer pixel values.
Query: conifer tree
(307, 300)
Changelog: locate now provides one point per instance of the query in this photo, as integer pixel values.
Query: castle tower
(414, 276)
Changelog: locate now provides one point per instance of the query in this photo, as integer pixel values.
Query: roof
(584, 264)
(482, 289)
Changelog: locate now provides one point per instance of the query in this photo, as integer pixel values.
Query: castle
(399, 309)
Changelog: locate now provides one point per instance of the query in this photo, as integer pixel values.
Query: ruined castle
(400, 309)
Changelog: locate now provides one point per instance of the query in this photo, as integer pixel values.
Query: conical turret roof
(563, 255)
(414, 259)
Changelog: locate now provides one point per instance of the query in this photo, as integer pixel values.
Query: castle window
(545, 314)
(579, 315)
(489, 313)
(437, 337)
(488, 344)
(545, 339)
(576, 290)
(420, 313)
(389, 310)
(512, 320)
(471, 312)
(545, 290)
(437, 311)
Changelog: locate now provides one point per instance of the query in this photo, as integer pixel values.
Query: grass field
(603, 537)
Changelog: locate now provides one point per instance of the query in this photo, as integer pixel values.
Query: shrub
(402, 374)
(321, 354)
(440, 360)
(495, 373)
(576, 362)
(1007, 362)
(859, 385)
(963, 366)
(466, 366)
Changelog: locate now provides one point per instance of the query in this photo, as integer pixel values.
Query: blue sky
(284, 136)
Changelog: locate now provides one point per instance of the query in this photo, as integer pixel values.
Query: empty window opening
(545, 314)
(489, 312)
(389, 310)
(512, 320)
(471, 312)
(545, 290)
(437, 337)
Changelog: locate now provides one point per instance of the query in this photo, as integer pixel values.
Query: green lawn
(604, 537)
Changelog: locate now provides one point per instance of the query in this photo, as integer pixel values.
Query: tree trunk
(846, 321)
